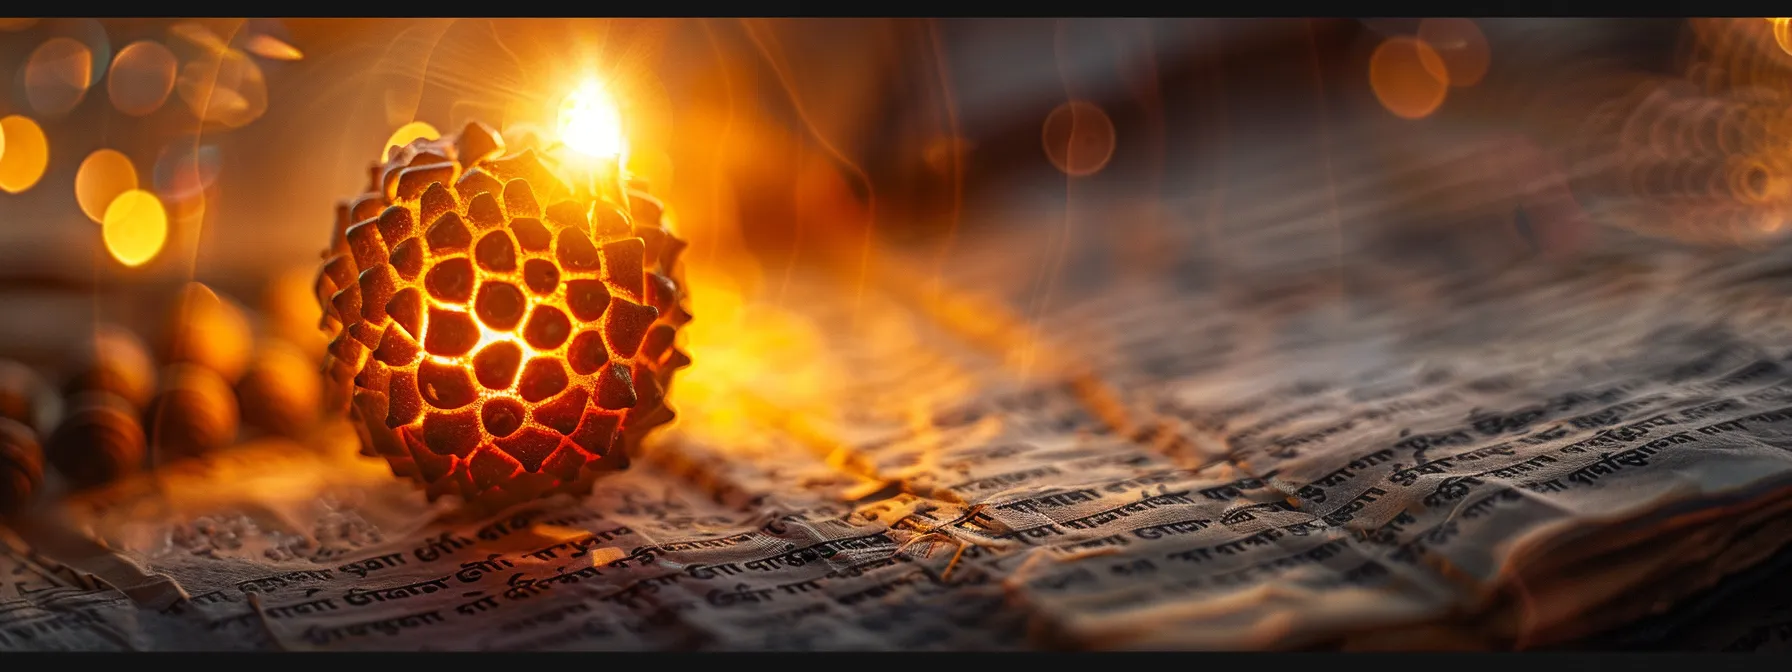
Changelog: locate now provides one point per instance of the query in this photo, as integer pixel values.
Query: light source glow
(103, 175)
(590, 124)
(408, 133)
(27, 154)
(135, 227)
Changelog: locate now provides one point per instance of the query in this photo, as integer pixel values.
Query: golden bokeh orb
(27, 153)
(103, 175)
(135, 227)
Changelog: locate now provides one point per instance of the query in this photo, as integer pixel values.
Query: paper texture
(1516, 458)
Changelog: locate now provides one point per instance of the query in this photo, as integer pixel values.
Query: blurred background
(1275, 161)
(142, 153)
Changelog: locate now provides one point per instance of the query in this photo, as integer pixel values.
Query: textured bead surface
(99, 440)
(486, 338)
(21, 466)
(193, 414)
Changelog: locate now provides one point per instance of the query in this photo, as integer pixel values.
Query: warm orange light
(499, 335)
(1408, 77)
(27, 154)
(590, 124)
(103, 175)
(267, 46)
(135, 227)
(1782, 33)
(408, 133)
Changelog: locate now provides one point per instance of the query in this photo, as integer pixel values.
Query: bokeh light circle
(57, 75)
(90, 33)
(142, 77)
(1408, 77)
(407, 133)
(103, 175)
(1079, 138)
(223, 87)
(27, 154)
(135, 228)
(185, 170)
(1461, 46)
(1782, 34)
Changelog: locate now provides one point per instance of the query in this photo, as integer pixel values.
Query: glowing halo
(590, 123)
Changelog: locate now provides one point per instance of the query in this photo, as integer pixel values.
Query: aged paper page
(1514, 456)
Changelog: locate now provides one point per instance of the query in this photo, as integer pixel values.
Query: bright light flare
(590, 124)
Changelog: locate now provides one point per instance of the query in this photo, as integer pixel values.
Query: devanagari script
(1516, 456)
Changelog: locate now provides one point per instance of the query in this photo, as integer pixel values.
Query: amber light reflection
(590, 123)
(746, 353)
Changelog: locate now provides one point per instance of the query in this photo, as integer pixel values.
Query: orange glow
(1461, 46)
(267, 46)
(135, 227)
(738, 344)
(1782, 33)
(590, 123)
(653, 167)
(27, 153)
(1408, 77)
(407, 134)
(501, 335)
(103, 175)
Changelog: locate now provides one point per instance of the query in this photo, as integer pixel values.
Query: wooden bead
(282, 392)
(23, 396)
(99, 440)
(21, 466)
(289, 306)
(116, 361)
(208, 330)
(194, 413)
